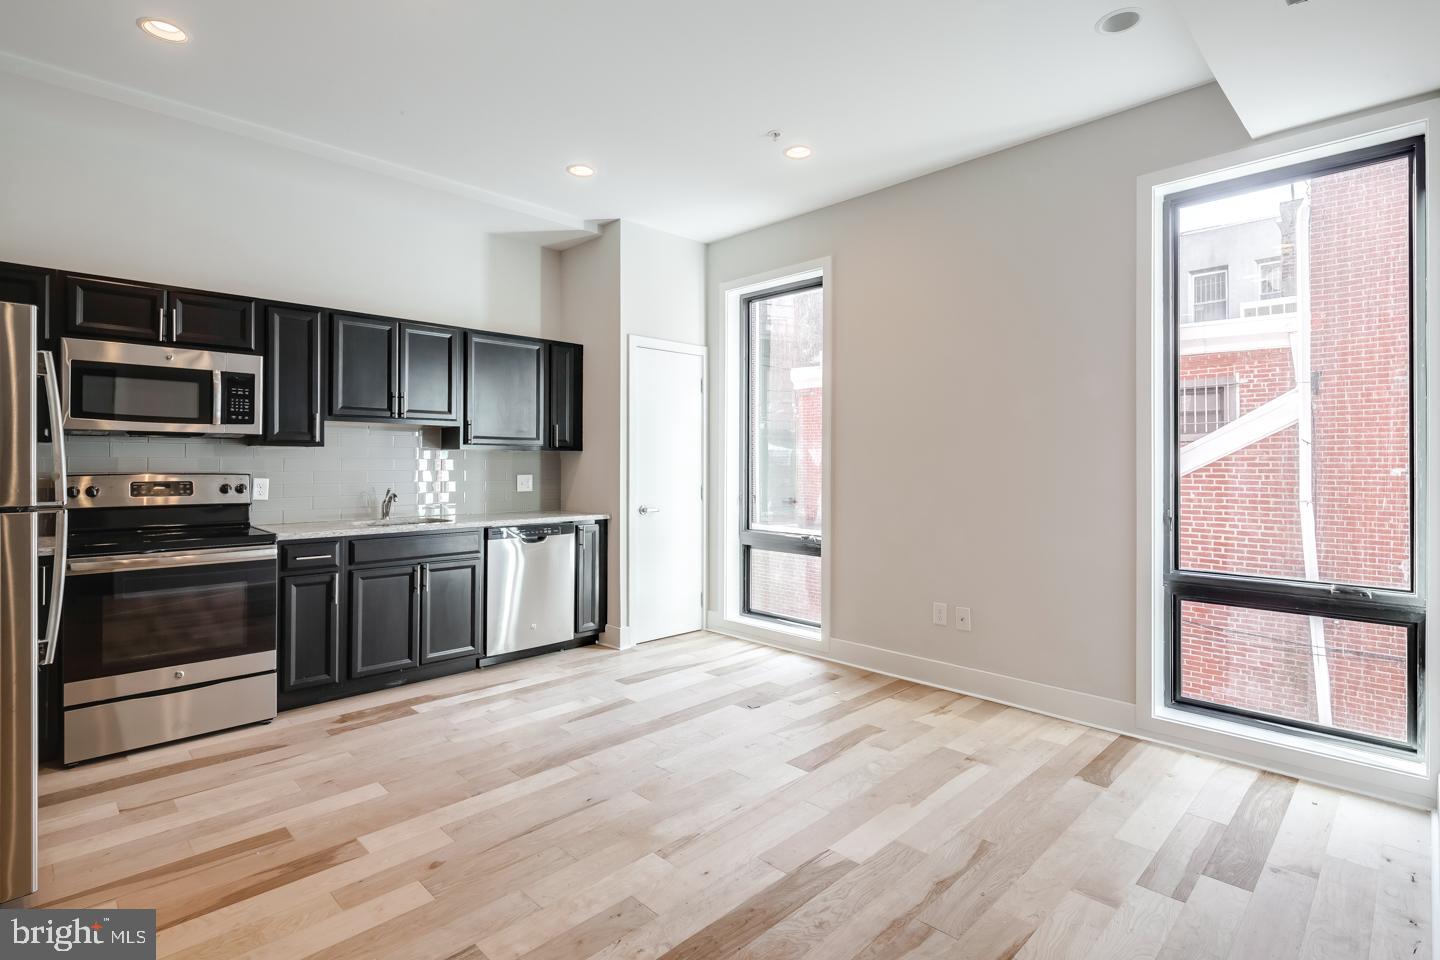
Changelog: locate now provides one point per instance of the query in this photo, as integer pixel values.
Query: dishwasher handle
(535, 533)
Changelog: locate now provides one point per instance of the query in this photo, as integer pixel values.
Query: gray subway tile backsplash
(347, 478)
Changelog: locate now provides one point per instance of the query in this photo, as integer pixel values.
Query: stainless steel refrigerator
(32, 484)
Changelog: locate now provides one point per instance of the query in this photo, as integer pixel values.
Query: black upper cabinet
(97, 307)
(504, 391)
(384, 369)
(565, 394)
(210, 321)
(451, 591)
(384, 620)
(35, 286)
(309, 631)
(363, 367)
(109, 308)
(294, 376)
(429, 373)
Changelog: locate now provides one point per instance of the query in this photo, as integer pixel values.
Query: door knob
(646, 511)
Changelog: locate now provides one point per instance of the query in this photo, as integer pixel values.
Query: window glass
(786, 408)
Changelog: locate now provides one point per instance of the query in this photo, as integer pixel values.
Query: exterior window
(1212, 293)
(1291, 567)
(1270, 271)
(784, 403)
(1206, 405)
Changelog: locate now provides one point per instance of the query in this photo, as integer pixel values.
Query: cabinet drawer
(309, 555)
(416, 547)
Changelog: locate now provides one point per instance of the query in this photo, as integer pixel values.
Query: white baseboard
(1114, 716)
(616, 638)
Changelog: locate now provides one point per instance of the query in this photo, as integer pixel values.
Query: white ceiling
(669, 99)
(1287, 65)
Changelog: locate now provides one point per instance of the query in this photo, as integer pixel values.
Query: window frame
(1401, 608)
(765, 540)
(1196, 302)
(1260, 265)
(1229, 387)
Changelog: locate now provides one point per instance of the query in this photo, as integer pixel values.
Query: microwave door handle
(57, 587)
(215, 392)
(60, 473)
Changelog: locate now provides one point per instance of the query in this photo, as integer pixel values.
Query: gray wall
(346, 478)
(984, 396)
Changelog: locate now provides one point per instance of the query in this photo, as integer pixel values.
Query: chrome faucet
(387, 503)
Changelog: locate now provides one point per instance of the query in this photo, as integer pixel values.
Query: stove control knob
(179, 674)
(72, 492)
(92, 491)
(224, 488)
(240, 488)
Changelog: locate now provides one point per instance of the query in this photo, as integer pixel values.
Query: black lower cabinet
(384, 620)
(450, 624)
(309, 631)
(589, 577)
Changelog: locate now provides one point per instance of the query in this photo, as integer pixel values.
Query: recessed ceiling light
(1118, 21)
(580, 170)
(798, 152)
(162, 30)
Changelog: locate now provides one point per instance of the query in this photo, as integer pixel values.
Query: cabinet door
(430, 373)
(450, 620)
(109, 308)
(32, 285)
(363, 367)
(566, 391)
(294, 365)
(309, 631)
(505, 390)
(384, 620)
(212, 322)
(589, 582)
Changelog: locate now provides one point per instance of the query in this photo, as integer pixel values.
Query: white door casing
(666, 487)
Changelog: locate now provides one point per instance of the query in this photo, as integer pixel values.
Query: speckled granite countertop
(319, 529)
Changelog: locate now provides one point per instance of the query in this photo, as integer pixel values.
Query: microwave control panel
(237, 398)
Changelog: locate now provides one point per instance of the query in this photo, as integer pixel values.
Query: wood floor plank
(705, 797)
(1240, 855)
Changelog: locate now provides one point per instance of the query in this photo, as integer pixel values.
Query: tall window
(1291, 574)
(1211, 293)
(780, 522)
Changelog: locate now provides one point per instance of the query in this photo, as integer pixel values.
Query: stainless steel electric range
(169, 615)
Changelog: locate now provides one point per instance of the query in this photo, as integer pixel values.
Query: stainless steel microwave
(109, 386)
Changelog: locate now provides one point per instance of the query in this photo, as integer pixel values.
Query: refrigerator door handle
(51, 643)
(60, 474)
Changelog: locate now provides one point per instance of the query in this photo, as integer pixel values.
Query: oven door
(146, 622)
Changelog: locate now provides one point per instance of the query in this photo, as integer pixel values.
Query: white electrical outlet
(962, 618)
(524, 482)
(938, 614)
(260, 488)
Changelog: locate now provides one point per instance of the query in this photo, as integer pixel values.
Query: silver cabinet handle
(174, 324)
(318, 556)
(646, 511)
(162, 324)
(335, 590)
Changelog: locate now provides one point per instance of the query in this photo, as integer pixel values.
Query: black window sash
(1401, 608)
(793, 543)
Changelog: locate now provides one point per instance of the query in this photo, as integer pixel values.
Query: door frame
(635, 343)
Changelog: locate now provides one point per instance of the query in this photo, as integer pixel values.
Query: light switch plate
(938, 613)
(524, 482)
(962, 618)
(260, 488)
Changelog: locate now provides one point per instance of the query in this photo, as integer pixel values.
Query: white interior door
(666, 488)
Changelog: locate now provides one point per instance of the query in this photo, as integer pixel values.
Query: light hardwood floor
(705, 798)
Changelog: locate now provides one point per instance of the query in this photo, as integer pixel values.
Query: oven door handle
(168, 561)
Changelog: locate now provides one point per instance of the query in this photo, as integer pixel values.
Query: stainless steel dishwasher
(529, 586)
